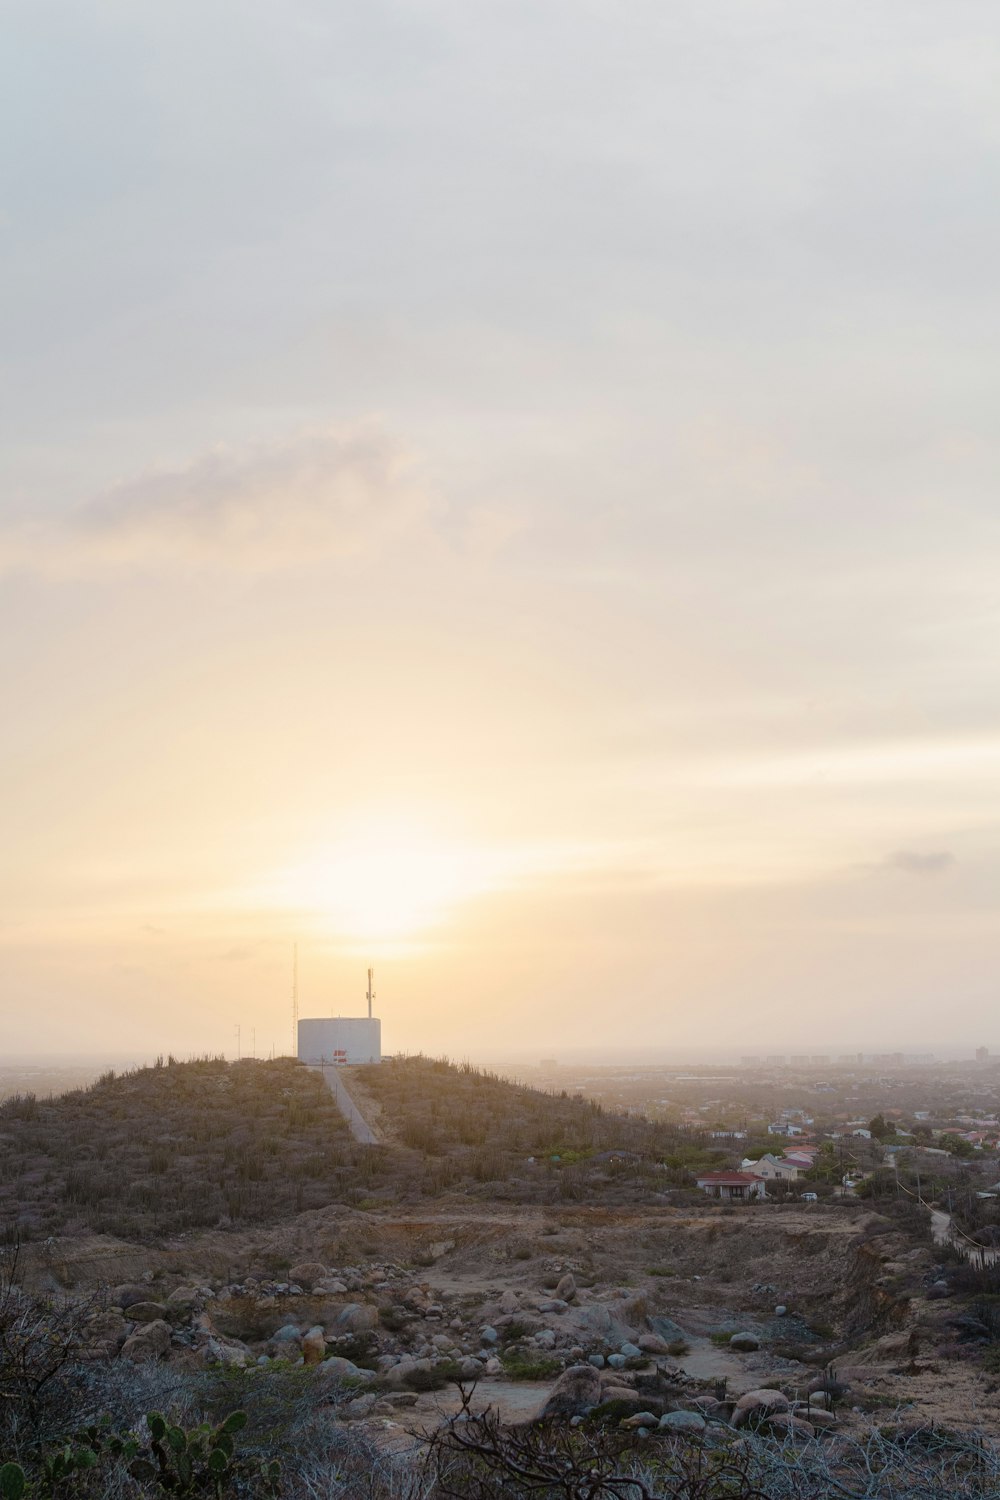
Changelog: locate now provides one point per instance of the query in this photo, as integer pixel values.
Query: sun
(384, 887)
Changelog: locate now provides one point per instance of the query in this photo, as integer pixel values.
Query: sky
(503, 490)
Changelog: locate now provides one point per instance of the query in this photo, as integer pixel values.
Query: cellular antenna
(371, 993)
(295, 1001)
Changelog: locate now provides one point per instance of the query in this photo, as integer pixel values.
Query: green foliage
(519, 1365)
(198, 1461)
(12, 1482)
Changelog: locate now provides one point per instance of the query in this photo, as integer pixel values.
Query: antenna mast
(295, 1001)
(371, 993)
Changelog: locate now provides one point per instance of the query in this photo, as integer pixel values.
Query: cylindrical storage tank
(346, 1040)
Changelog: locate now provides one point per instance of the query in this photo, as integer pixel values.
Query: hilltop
(209, 1144)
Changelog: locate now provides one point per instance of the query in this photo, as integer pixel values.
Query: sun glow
(388, 890)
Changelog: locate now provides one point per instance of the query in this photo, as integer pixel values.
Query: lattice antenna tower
(295, 1001)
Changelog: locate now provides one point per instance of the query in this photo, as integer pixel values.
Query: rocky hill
(205, 1144)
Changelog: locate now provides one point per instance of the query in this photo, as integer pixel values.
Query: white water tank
(346, 1040)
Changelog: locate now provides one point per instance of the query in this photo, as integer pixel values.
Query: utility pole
(370, 996)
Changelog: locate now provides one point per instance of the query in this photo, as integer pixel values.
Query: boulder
(308, 1272)
(314, 1345)
(754, 1406)
(184, 1297)
(820, 1419)
(641, 1419)
(493, 1366)
(546, 1338)
(470, 1368)
(617, 1361)
(124, 1296)
(597, 1360)
(150, 1341)
(360, 1407)
(744, 1343)
(288, 1334)
(146, 1312)
(630, 1350)
(566, 1287)
(230, 1352)
(330, 1286)
(356, 1317)
(553, 1305)
(334, 1371)
(488, 1334)
(651, 1343)
(577, 1390)
(688, 1423)
(783, 1424)
(510, 1303)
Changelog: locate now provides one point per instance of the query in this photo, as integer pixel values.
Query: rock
(780, 1310)
(574, 1393)
(330, 1287)
(396, 1399)
(288, 1334)
(150, 1341)
(184, 1296)
(545, 1339)
(641, 1419)
(687, 1422)
(125, 1296)
(820, 1419)
(488, 1334)
(566, 1287)
(493, 1366)
(510, 1303)
(625, 1398)
(753, 1406)
(553, 1305)
(617, 1361)
(630, 1350)
(356, 1317)
(360, 1407)
(230, 1352)
(819, 1399)
(596, 1318)
(470, 1368)
(333, 1371)
(651, 1343)
(146, 1312)
(744, 1343)
(314, 1346)
(785, 1425)
(308, 1273)
(439, 1248)
(937, 1290)
(597, 1360)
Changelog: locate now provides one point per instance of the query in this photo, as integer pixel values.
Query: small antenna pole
(295, 1001)
(371, 993)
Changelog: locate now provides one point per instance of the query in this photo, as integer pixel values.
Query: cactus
(12, 1484)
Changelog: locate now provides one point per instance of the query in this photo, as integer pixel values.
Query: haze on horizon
(507, 492)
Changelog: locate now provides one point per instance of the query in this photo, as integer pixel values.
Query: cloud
(920, 862)
(329, 494)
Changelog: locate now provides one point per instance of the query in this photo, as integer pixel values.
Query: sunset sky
(506, 490)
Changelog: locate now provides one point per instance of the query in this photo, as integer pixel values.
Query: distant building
(982, 1054)
(775, 1168)
(741, 1187)
(340, 1042)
